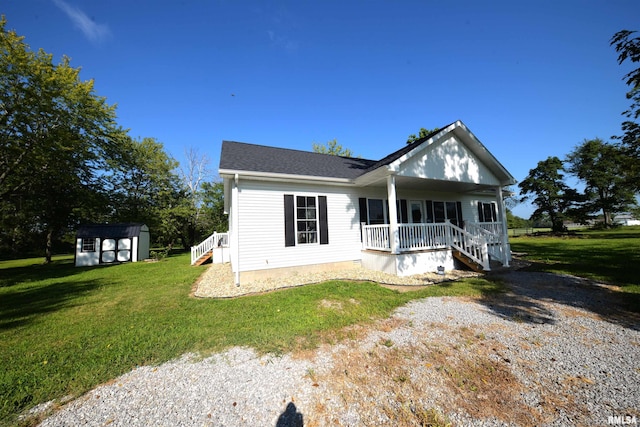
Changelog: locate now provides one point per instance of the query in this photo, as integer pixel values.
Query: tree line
(609, 171)
(64, 160)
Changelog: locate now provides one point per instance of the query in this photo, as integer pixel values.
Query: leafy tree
(601, 167)
(194, 175)
(421, 134)
(213, 207)
(144, 187)
(332, 147)
(545, 187)
(514, 221)
(55, 133)
(627, 44)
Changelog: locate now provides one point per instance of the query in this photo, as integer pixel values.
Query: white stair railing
(208, 244)
(473, 246)
(492, 233)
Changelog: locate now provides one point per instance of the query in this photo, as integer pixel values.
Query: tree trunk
(608, 221)
(48, 249)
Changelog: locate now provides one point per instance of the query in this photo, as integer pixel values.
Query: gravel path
(553, 351)
(218, 280)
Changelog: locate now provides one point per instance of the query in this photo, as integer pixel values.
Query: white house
(420, 208)
(625, 219)
(111, 243)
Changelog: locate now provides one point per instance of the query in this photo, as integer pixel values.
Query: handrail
(411, 237)
(492, 233)
(473, 246)
(376, 237)
(213, 241)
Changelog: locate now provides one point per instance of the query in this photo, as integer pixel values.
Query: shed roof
(111, 230)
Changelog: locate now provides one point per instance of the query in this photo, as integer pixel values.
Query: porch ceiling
(420, 184)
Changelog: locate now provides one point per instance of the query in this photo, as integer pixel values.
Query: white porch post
(393, 213)
(506, 250)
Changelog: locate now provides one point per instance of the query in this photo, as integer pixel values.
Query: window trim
(443, 216)
(87, 243)
(385, 213)
(291, 220)
(307, 221)
(493, 206)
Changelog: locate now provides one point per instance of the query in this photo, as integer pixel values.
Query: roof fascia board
(270, 176)
(373, 176)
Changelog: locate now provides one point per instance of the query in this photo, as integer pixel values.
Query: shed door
(124, 250)
(116, 250)
(108, 250)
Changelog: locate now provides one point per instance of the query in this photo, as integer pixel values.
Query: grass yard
(611, 256)
(64, 330)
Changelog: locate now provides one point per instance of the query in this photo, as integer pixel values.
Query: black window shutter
(480, 212)
(459, 214)
(322, 218)
(404, 214)
(289, 221)
(494, 213)
(386, 205)
(362, 201)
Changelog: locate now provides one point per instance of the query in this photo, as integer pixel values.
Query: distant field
(611, 256)
(522, 231)
(514, 232)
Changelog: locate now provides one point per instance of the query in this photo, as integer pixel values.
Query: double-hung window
(377, 211)
(487, 212)
(439, 212)
(305, 220)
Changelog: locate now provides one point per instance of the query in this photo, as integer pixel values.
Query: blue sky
(531, 79)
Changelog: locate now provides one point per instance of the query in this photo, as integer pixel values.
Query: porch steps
(204, 257)
(468, 261)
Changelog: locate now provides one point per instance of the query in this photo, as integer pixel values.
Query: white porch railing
(376, 237)
(477, 241)
(472, 245)
(216, 240)
(492, 232)
(414, 237)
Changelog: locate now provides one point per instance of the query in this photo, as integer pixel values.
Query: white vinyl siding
(448, 160)
(261, 222)
(261, 226)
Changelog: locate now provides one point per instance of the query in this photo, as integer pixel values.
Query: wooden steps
(204, 258)
(468, 261)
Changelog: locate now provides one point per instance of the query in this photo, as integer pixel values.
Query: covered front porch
(412, 248)
(418, 236)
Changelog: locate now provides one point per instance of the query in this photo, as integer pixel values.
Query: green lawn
(64, 330)
(611, 256)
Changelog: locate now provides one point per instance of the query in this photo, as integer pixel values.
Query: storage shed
(111, 243)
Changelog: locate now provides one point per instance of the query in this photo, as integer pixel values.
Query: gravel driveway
(554, 350)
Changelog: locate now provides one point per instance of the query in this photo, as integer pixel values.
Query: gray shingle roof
(243, 157)
(111, 231)
(240, 156)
